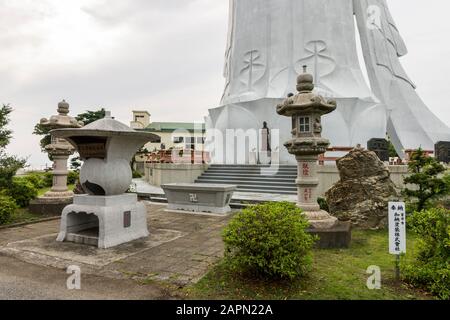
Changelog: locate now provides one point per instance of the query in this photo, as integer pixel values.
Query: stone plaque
(92, 150)
(380, 147)
(442, 151)
(127, 219)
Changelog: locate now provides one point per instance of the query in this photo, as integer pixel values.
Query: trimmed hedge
(269, 239)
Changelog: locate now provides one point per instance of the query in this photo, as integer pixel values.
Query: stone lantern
(106, 216)
(60, 150)
(307, 143)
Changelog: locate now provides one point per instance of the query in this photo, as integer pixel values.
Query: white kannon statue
(270, 41)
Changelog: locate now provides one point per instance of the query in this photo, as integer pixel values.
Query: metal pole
(397, 268)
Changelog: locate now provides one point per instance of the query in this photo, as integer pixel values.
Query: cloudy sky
(165, 56)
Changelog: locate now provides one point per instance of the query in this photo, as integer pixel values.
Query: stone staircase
(253, 178)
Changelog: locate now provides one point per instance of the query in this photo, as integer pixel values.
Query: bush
(37, 179)
(48, 180)
(431, 269)
(72, 177)
(7, 209)
(22, 191)
(269, 239)
(323, 204)
(136, 175)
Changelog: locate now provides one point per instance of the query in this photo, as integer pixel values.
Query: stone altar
(199, 197)
(106, 216)
(54, 201)
(270, 40)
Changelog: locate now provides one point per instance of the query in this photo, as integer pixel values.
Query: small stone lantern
(106, 216)
(306, 110)
(60, 150)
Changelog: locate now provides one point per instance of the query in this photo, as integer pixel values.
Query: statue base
(337, 237)
(320, 219)
(47, 206)
(332, 233)
(104, 221)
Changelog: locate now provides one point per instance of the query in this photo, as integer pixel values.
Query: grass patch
(337, 274)
(23, 216)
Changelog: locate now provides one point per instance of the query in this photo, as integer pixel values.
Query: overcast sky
(164, 56)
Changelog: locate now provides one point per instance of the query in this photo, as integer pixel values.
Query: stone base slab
(114, 219)
(44, 250)
(49, 206)
(338, 236)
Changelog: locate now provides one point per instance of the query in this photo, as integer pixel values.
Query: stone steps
(253, 178)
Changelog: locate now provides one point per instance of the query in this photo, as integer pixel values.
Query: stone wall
(329, 175)
(162, 173)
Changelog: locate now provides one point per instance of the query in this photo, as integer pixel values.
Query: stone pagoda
(54, 201)
(306, 109)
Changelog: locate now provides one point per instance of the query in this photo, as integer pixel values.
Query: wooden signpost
(397, 233)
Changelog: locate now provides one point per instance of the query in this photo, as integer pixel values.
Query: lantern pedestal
(104, 221)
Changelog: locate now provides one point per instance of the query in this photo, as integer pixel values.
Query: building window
(190, 140)
(200, 140)
(305, 125)
(178, 139)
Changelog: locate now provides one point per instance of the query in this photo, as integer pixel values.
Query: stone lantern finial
(305, 82)
(63, 108)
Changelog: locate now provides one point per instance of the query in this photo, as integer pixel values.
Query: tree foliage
(425, 175)
(5, 133)
(91, 116)
(8, 164)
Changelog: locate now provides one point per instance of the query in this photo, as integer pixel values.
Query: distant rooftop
(172, 126)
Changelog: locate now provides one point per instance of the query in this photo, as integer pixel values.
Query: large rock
(363, 193)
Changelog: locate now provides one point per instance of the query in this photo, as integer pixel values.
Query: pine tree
(424, 175)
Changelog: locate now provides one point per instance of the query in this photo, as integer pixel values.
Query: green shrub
(431, 268)
(323, 204)
(37, 179)
(72, 177)
(48, 180)
(22, 191)
(136, 174)
(269, 239)
(7, 209)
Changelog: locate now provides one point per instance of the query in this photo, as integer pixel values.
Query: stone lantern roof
(62, 120)
(106, 127)
(305, 102)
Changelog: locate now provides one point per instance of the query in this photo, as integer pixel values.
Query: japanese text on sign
(397, 228)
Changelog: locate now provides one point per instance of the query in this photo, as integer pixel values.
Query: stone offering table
(199, 197)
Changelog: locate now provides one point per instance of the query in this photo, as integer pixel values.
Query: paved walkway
(180, 259)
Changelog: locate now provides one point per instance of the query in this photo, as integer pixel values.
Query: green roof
(172, 126)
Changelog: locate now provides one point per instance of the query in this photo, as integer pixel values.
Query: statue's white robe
(270, 40)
